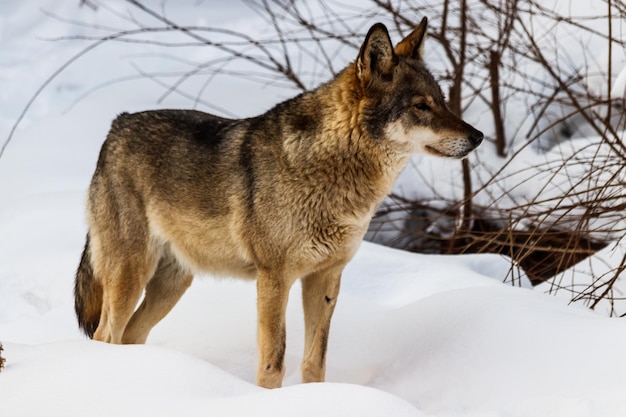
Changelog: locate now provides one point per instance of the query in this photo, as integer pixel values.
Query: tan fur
(287, 195)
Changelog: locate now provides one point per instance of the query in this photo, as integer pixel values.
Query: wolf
(283, 196)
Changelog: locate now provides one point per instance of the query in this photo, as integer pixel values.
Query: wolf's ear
(376, 57)
(413, 45)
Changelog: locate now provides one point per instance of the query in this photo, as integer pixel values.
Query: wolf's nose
(476, 137)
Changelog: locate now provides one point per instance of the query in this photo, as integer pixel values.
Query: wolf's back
(87, 294)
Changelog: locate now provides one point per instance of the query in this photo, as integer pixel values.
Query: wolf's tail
(87, 294)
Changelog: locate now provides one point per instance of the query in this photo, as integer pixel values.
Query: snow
(412, 335)
(619, 87)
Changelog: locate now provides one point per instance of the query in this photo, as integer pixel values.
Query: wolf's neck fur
(360, 169)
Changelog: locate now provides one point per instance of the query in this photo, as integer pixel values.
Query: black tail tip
(88, 328)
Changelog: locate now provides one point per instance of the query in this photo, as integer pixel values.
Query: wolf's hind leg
(122, 288)
(163, 291)
(319, 296)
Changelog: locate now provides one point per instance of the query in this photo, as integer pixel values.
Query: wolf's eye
(422, 106)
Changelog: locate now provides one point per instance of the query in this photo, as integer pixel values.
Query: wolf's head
(403, 102)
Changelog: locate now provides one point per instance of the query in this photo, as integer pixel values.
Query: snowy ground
(413, 335)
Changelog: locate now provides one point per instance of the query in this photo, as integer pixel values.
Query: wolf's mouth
(457, 155)
(436, 152)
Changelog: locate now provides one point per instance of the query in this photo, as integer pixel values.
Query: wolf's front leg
(272, 296)
(319, 295)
